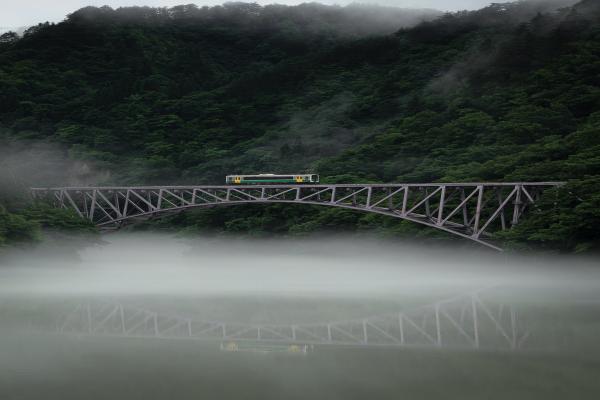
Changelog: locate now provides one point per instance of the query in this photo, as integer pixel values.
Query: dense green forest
(356, 93)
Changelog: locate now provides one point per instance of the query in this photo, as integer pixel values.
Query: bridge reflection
(470, 321)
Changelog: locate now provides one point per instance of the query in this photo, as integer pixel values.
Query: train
(271, 179)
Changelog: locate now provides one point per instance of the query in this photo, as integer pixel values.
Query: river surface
(160, 317)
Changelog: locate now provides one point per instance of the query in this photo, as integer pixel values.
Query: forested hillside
(142, 95)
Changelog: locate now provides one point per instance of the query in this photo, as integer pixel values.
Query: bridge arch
(167, 212)
(470, 210)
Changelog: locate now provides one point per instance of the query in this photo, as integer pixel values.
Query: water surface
(113, 322)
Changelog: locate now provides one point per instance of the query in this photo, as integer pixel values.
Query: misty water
(155, 317)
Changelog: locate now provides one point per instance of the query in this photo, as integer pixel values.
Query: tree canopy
(188, 94)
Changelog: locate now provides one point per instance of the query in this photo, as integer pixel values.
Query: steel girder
(470, 210)
(466, 321)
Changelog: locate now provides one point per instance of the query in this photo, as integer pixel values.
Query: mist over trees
(357, 93)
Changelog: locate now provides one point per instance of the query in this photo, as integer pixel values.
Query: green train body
(271, 179)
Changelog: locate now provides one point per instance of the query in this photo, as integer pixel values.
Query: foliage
(15, 228)
(27, 225)
(188, 95)
(565, 218)
(49, 217)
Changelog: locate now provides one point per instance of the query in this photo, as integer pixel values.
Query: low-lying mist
(154, 264)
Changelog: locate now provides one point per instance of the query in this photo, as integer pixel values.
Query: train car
(271, 179)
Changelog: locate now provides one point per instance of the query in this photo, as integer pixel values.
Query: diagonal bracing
(470, 210)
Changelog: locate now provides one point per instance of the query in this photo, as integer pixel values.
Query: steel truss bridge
(470, 210)
(468, 321)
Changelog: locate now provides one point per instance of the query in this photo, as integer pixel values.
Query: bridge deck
(416, 185)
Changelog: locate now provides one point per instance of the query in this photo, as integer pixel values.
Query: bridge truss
(470, 210)
(463, 322)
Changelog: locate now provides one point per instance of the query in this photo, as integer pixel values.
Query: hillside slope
(188, 95)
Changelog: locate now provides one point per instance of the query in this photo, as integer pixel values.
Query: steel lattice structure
(466, 321)
(470, 210)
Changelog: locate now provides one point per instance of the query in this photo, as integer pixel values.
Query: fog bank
(153, 264)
